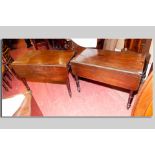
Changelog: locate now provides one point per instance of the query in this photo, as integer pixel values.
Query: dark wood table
(120, 69)
(51, 66)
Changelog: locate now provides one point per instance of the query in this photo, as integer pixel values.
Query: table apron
(114, 77)
(51, 74)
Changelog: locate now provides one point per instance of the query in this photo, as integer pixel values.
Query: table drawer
(57, 74)
(113, 77)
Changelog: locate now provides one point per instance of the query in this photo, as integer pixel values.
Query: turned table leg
(25, 83)
(68, 87)
(22, 79)
(77, 83)
(131, 95)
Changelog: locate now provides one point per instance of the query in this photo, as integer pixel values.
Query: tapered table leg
(22, 79)
(25, 83)
(131, 95)
(77, 83)
(68, 87)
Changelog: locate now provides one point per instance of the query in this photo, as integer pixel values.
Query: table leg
(22, 79)
(131, 95)
(68, 87)
(77, 83)
(25, 83)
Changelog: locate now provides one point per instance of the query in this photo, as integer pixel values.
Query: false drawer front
(42, 73)
(113, 77)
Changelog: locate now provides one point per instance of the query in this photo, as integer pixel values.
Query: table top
(45, 57)
(124, 61)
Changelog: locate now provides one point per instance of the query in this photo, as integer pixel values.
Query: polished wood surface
(44, 66)
(45, 57)
(50, 66)
(125, 61)
(122, 69)
(144, 102)
(111, 77)
(139, 46)
(75, 47)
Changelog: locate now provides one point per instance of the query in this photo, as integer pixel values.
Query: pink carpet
(93, 100)
(53, 99)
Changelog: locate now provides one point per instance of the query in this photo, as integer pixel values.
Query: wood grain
(45, 57)
(144, 103)
(125, 61)
(44, 66)
(113, 77)
(122, 69)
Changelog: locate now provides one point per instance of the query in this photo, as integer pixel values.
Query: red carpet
(53, 99)
(93, 100)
